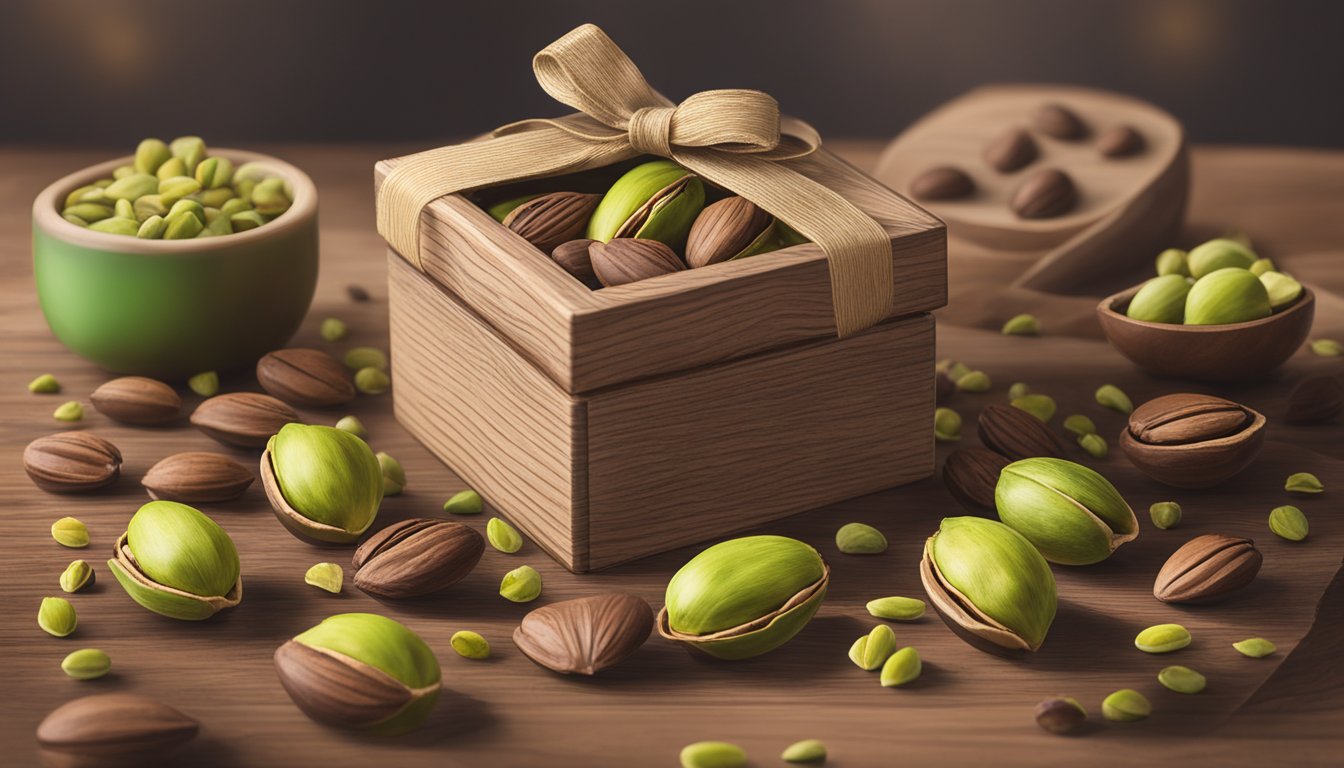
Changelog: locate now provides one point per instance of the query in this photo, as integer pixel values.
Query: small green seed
(234, 205)
(394, 477)
(872, 650)
(325, 576)
(975, 381)
(269, 197)
(470, 645)
(187, 206)
(946, 425)
(1095, 445)
(1165, 514)
(1125, 706)
(1255, 647)
(860, 539)
(372, 381)
(1322, 347)
(1162, 638)
(204, 384)
(1018, 389)
(150, 206)
(152, 228)
(502, 536)
(76, 576)
(214, 172)
(1288, 522)
(466, 502)
(74, 197)
(122, 171)
(151, 154)
(86, 664)
(713, 754)
(173, 166)
(190, 148)
(89, 212)
(366, 357)
(56, 616)
(1040, 406)
(352, 425)
(1021, 325)
(951, 368)
(73, 219)
(805, 751)
(1110, 396)
(896, 608)
(46, 384)
(333, 329)
(242, 221)
(1080, 425)
(1172, 262)
(902, 667)
(117, 226)
(1303, 482)
(133, 186)
(521, 585)
(69, 532)
(124, 210)
(1181, 679)
(95, 195)
(71, 411)
(182, 226)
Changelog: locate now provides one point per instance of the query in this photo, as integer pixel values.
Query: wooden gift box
(613, 424)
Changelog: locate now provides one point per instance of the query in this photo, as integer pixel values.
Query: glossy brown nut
(942, 183)
(1120, 141)
(1202, 444)
(586, 635)
(197, 477)
(572, 256)
(1058, 121)
(1011, 150)
(415, 557)
(1181, 419)
(307, 377)
(549, 220)
(244, 419)
(970, 475)
(628, 260)
(1207, 568)
(71, 462)
(725, 229)
(1017, 434)
(137, 400)
(113, 729)
(1044, 194)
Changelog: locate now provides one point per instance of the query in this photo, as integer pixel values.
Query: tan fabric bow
(733, 138)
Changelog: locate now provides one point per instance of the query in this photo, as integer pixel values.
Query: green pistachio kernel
(394, 477)
(713, 754)
(1018, 389)
(1227, 296)
(1261, 266)
(325, 576)
(1040, 406)
(69, 532)
(1021, 325)
(46, 384)
(860, 539)
(872, 650)
(1125, 706)
(1303, 482)
(234, 205)
(173, 166)
(1111, 396)
(245, 220)
(1165, 514)
(975, 381)
(1322, 347)
(1080, 425)
(470, 645)
(91, 212)
(122, 171)
(1181, 679)
(502, 536)
(334, 329)
(117, 226)
(183, 226)
(1282, 289)
(951, 368)
(896, 608)
(901, 667)
(150, 154)
(214, 172)
(1160, 300)
(148, 207)
(1217, 254)
(1162, 638)
(365, 357)
(56, 616)
(74, 197)
(466, 502)
(78, 222)
(1288, 522)
(71, 411)
(1255, 647)
(176, 189)
(123, 209)
(77, 575)
(946, 425)
(86, 664)
(152, 228)
(269, 197)
(1172, 262)
(521, 585)
(1095, 445)
(372, 381)
(805, 751)
(190, 148)
(205, 384)
(352, 425)
(133, 186)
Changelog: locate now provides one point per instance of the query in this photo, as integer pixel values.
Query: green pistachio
(190, 148)
(333, 329)
(253, 171)
(56, 616)
(896, 608)
(870, 651)
(74, 198)
(860, 539)
(217, 224)
(1227, 296)
(235, 205)
(901, 667)
(245, 220)
(106, 181)
(1125, 706)
(214, 197)
(365, 357)
(500, 211)
(148, 207)
(172, 167)
(177, 562)
(805, 751)
(1173, 262)
(1095, 445)
(521, 585)
(1162, 638)
(269, 198)
(1021, 325)
(1080, 425)
(1111, 396)
(78, 222)
(1165, 514)
(951, 368)
(470, 645)
(946, 425)
(1072, 514)
(214, 172)
(178, 188)
(466, 502)
(1261, 266)
(46, 384)
(325, 483)
(96, 195)
(117, 226)
(122, 171)
(1288, 522)
(1221, 253)
(69, 532)
(1040, 406)
(355, 427)
(975, 381)
(182, 226)
(86, 664)
(1283, 290)
(1303, 482)
(502, 536)
(132, 187)
(89, 212)
(77, 575)
(71, 411)
(713, 754)
(150, 154)
(204, 384)
(123, 209)
(1255, 647)
(1160, 300)
(372, 381)
(394, 476)
(1018, 389)
(325, 576)
(1327, 348)
(152, 228)
(1181, 679)
(657, 200)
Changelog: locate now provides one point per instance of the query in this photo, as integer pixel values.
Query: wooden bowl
(1197, 465)
(1216, 353)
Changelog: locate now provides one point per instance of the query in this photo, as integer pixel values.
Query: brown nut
(586, 635)
(244, 419)
(197, 477)
(71, 462)
(1062, 714)
(137, 400)
(308, 377)
(113, 729)
(572, 256)
(1207, 568)
(1192, 441)
(1044, 194)
(1058, 121)
(942, 183)
(627, 260)
(549, 220)
(1010, 150)
(1120, 141)
(1017, 434)
(970, 475)
(1316, 400)
(731, 228)
(416, 557)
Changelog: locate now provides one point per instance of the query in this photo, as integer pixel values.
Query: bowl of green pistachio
(178, 259)
(1218, 313)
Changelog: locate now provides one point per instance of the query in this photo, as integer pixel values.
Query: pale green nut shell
(521, 585)
(805, 751)
(1021, 325)
(860, 539)
(1125, 706)
(1217, 254)
(1288, 522)
(1040, 406)
(1173, 261)
(1162, 638)
(1283, 290)
(470, 645)
(1160, 300)
(69, 532)
(1181, 679)
(896, 608)
(870, 651)
(1255, 647)
(1303, 482)
(996, 571)
(328, 475)
(466, 502)
(901, 667)
(670, 217)
(502, 536)
(1072, 514)
(204, 384)
(86, 664)
(713, 754)
(1227, 296)
(56, 616)
(738, 581)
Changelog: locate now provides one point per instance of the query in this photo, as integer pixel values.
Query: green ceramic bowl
(173, 308)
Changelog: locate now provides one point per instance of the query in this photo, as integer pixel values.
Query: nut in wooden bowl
(1229, 352)
(1192, 441)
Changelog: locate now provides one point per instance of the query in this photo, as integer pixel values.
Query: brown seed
(627, 260)
(416, 557)
(1010, 150)
(356, 293)
(725, 229)
(1316, 400)
(71, 462)
(970, 475)
(197, 477)
(1120, 141)
(1017, 434)
(586, 635)
(308, 377)
(113, 729)
(244, 419)
(137, 400)
(942, 183)
(1060, 715)
(1058, 121)
(1181, 419)
(573, 257)
(1207, 568)
(549, 220)
(1044, 194)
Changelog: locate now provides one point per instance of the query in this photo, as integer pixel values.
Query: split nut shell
(586, 635)
(1207, 568)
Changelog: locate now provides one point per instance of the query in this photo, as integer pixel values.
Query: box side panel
(690, 457)
(494, 419)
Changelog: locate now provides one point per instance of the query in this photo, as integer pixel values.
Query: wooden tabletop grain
(967, 708)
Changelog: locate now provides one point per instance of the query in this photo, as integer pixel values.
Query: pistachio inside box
(616, 423)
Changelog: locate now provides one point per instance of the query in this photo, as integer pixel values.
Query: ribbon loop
(651, 130)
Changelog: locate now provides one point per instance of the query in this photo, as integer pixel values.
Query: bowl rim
(47, 214)
(1107, 308)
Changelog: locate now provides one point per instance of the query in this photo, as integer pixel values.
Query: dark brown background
(112, 71)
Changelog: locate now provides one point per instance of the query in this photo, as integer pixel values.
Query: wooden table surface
(967, 708)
